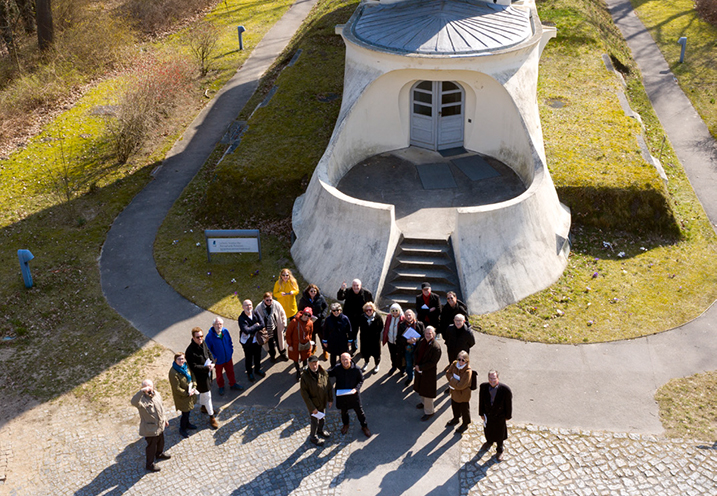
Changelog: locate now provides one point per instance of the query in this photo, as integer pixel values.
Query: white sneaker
(376, 369)
(364, 368)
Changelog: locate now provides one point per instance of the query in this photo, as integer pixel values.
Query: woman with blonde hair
(390, 336)
(459, 377)
(370, 330)
(285, 291)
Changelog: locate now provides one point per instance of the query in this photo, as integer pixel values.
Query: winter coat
(497, 413)
(299, 332)
(152, 418)
(401, 341)
(288, 301)
(248, 327)
(387, 326)
(426, 359)
(275, 321)
(448, 313)
(370, 336)
(460, 388)
(180, 390)
(197, 355)
(458, 340)
(338, 333)
(316, 389)
(222, 348)
(353, 303)
(425, 315)
(350, 378)
(318, 306)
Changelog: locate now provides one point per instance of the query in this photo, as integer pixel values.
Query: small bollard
(682, 41)
(25, 256)
(240, 30)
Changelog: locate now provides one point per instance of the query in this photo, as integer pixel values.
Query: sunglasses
(461, 359)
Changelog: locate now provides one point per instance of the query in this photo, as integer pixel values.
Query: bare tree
(203, 38)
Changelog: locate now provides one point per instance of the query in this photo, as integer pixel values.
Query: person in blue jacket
(220, 344)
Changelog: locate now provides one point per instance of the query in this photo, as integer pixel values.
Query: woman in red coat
(298, 338)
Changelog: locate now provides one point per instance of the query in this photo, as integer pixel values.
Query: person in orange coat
(298, 338)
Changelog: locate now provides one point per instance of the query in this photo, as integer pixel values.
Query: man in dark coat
(348, 392)
(428, 353)
(201, 361)
(354, 300)
(459, 337)
(338, 333)
(495, 406)
(316, 391)
(251, 322)
(428, 306)
(453, 307)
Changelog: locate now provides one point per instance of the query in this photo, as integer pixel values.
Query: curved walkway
(601, 386)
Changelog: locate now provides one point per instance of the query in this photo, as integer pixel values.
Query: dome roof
(441, 27)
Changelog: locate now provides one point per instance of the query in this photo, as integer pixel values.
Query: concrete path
(597, 387)
(130, 280)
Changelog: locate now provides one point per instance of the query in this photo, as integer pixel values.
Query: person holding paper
(409, 332)
(495, 406)
(315, 389)
(428, 306)
(428, 353)
(201, 361)
(459, 377)
(348, 392)
(251, 322)
(183, 391)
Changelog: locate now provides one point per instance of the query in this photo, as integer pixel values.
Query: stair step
(421, 259)
(428, 274)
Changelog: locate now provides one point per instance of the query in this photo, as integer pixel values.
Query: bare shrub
(150, 95)
(202, 39)
(707, 9)
(157, 15)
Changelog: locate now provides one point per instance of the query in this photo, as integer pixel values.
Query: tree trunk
(5, 27)
(45, 32)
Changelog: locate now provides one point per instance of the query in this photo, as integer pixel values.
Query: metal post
(682, 41)
(25, 256)
(240, 30)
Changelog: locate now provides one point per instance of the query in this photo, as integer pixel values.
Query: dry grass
(688, 408)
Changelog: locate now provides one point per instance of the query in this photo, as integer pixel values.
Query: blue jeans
(410, 348)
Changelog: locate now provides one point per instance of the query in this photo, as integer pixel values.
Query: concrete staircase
(417, 261)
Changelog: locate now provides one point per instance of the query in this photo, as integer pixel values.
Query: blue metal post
(25, 256)
(682, 41)
(240, 30)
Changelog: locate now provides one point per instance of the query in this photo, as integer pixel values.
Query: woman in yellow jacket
(285, 291)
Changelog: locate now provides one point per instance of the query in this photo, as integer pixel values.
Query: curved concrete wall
(340, 238)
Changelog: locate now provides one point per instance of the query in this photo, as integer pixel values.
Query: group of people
(410, 336)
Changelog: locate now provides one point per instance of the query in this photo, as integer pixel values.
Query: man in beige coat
(152, 422)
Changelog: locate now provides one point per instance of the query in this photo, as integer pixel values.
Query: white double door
(437, 115)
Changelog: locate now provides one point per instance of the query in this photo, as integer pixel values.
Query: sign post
(232, 241)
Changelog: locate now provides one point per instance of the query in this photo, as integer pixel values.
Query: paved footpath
(576, 394)
(260, 451)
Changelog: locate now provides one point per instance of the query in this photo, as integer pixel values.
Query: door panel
(437, 115)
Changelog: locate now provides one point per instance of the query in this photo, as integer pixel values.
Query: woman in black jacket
(370, 331)
(312, 298)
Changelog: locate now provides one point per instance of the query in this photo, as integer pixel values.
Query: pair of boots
(317, 429)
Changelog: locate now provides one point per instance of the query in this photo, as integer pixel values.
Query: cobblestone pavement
(64, 448)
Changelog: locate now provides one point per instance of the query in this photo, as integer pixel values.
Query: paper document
(207, 363)
(318, 415)
(485, 420)
(344, 392)
(424, 307)
(411, 334)
(457, 377)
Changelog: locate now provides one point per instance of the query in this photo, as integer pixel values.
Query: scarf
(183, 370)
(460, 366)
(393, 329)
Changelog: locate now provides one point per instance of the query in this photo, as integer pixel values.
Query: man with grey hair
(354, 299)
(459, 337)
(220, 344)
(495, 406)
(152, 421)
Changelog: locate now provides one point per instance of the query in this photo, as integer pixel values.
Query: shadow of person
(119, 477)
(286, 477)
